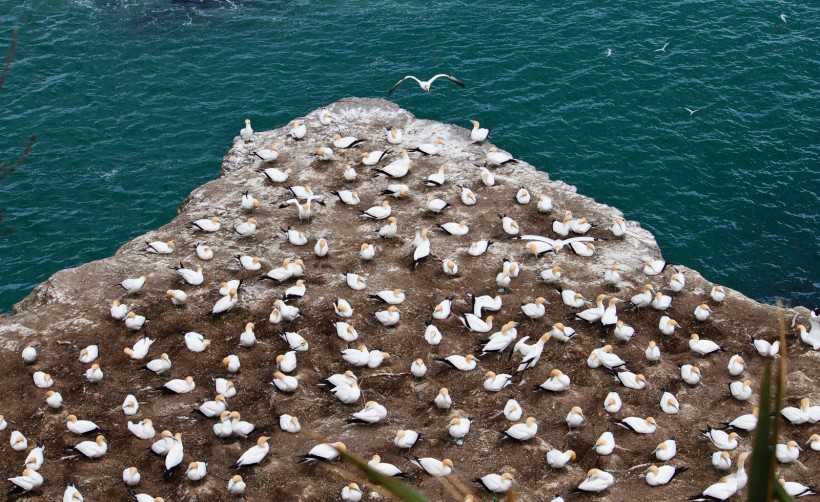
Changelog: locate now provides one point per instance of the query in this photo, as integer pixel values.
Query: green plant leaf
(781, 495)
(760, 486)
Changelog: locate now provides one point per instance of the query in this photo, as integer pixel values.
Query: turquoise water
(135, 103)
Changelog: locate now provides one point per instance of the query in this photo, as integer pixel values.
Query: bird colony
(364, 281)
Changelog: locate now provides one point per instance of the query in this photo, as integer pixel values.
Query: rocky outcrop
(71, 310)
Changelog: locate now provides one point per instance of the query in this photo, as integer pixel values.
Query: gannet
(435, 205)
(352, 493)
(93, 449)
(661, 301)
(610, 317)
(246, 228)
(557, 382)
(495, 383)
(392, 297)
(612, 402)
(277, 175)
(449, 267)
(285, 383)
(18, 441)
(653, 352)
(428, 148)
(631, 380)
(139, 349)
(612, 276)
(326, 452)
(160, 247)
(298, 129)
(289, 424)
(345, 142)
(418, 369)
(196, 342)
(211, 224)
(722, 490)
(222, 428)
(666, 450)
(512, 410)
(571, 298)
(498, 342)
(654, 267)
(462, 363)
(791, 487)
(379, 212)
(585, 249)
(213, 408)
(351, 198)
(357, 357)
(432, 335)
(94, 374)
(722, 460)
(509, 225)
(235, 485)
(596, 481)
(247, 132)
(197, 470)
(118, 310)
(747, 422)
(787, 453)
(474, 323)
(478, 134)
(644, 298)
(406, 438)
(390, 229)
(356, 282)
(478, 248)
(503, 280)
(579, 225)
(558, 459)
(397, 168)
(177, 296)
(721, 439)
(495, 483)
(765, 348)
(295, 341)
(240, 427)
(739, 477)
(422, 250)
(533, 353)
(173, 459)
(814, 442)
(54, 399)
(605, 444)
(434, 467)
(224, 387)
(280, 274)
(131, 476)
(231, 363)
(536, 309)
(522, 432)
(287, 312)
(443, 308)
(295, 236)
(248, 202)
(81, 426)
(179, 385)
(342, 308)
(394, 136)
(28, 481)
(690, 374)
(367, 251)
(669, 403)
(639, 425)
(487, 177)
(372, 413)
(425, 85)
(144, 429)
(703, 347)
(810, 338)
(496, 158)
(347, 394)
(192, 277)
(130, 405)
(269, 154)
(134, 321)
(717, 293)
(658, 476)
(131, 286)
(561, 332)
(443, 401)
(374, 157)
(575, 418)
(702, 312)
(562, 227)
(593, 314)
(453, 228)
(797, 416)
(163, 444)
(397, 190)
(551, 275)
(321, 248)
(608, 358)
(29, 354)
(384, 468)
(618, 227)
(349, 173)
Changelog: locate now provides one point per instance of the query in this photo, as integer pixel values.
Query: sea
(135, 102)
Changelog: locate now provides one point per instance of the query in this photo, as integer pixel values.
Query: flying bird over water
(427, 83)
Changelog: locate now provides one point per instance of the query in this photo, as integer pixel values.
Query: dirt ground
(71, 311)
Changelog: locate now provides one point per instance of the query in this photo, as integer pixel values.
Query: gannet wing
(402, 80)
(450, 78)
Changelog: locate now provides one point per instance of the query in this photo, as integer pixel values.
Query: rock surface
(71, 310)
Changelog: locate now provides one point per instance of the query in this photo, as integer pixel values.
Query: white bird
(94, 374)
(721, 439)
(722, 460)
(347, 394)
(247, 132)
(118, 310)
(295, 236)
(523, 196)
(474, 323)
(814, 442)
(356, 282)
(139, 349)
(367, 251)
(747, 422)
(131, 286)
(612, 402)
(81, 426)
(28, 481)
(579, 225)
(295, 341)
(163, 444)
(177, 296)
(435, 205)
(557, 382)
(661, 301)
(798, 416)
(134, 322)
(131, 476)
(622, 331)
(173, 459)
(209, 225)
(196, 342)
(690, 374)
(536, 309)
(54, 399)
(286, 363)
(438, 178)
(285, 383)
(478, 248)
(269, 154)
(478, 134)
(144, 429)
(533, 353)
(639, 425)
(349, 173)
(29, 354)
(357, 357)
(443, 309)
(703, 347)
(653, 267)
(787, 453)
(321, 249)
(394, 136)
(93, 449)
(722, 490)
(352, 493)
(596, 481)
(605, 444)
(418, 369)
(487, 177)
(495, 383)
(458, 428)
(179, 385)
(190, 276)
(289, 424)
(766, 349)
(509, 225)
(702, 312)
(496, 158)
(544, 204)
(561, 332)
(351, 198)
(434, 467)
(677, 281)
(631, 380)
(389, 317)
(345, 142)
(396, 169)
(406, 438)
(666, 450)
(575, 418)
(653, 352)
(432, 335)
(277, 175)
(443, 401)
(236, 486)
(462, 363)
(255, 454)
(298, 129)
(449, 267)
(326, 452)
(197, 471)
(160, 247)
(374, 157)
(551, 275)
(717, 293)
(384, 468)
(240, 427)
(512, 410)
(391, 297)
(791, 487)
(130, 405)
(425, 85)
(213, 408)
(659, 476)
(810, 338)
(571, 298)
(669, 403)
(667, 325)
(558, 459)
